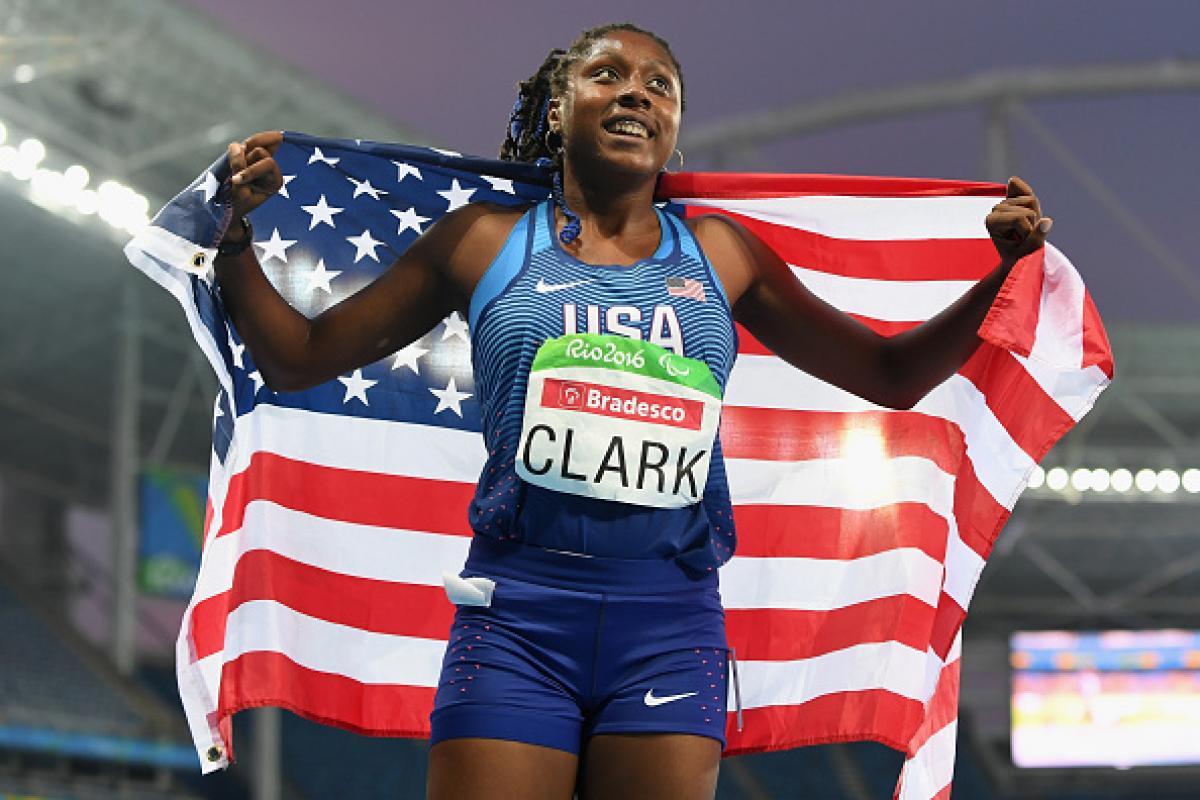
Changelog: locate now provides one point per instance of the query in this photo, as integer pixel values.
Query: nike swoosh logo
(652, 701)
(543, 287)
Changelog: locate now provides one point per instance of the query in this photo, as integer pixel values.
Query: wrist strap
(227, 249)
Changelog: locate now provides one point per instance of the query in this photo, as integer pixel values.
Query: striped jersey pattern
(861, 531)
(546, 293)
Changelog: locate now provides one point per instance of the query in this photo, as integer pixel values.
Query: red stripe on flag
(947, 621)
(775, 434)
(1011, 322)
(272, 679)
(761, 184)
(900, 259)
(876, 714)
(787, 635)
(403, 609)
(823, 532)
(364, 498)
(748, 345)
(1030, 416)
(1096, 349)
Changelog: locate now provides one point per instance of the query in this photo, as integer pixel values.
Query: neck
(608, 204)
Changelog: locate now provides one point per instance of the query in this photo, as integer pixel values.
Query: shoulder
(731, 249)
(468, 239)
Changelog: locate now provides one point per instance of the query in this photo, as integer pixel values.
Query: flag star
(356, 387)
(217, 412)
(275, 247)
(209, 186)
(455, 326)
(236, 349)
(324, 159)
(258, 380)
(365, 187)
(452, 153)
(403, 170)
(358, 142)
(365, 245)
(408, 357)
(319, 277)
(500, 184)
(449, 398)
(409, 219)
(322, 212)
(456, 195)
(283, 190)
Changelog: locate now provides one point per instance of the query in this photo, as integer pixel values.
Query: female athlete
(602, 512)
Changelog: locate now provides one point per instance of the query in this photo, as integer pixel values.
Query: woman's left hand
(1016, 224)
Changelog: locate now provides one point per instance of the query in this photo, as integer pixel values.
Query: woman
(600, 662)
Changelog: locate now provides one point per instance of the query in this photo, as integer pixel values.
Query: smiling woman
(602, 334)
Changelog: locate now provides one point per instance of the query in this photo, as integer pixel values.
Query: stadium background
(105, 404)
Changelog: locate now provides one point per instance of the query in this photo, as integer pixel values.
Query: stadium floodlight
(1057, 479)
(1081, 479)
(3, 133)
(24, 73)
(1122, 480)
(1146, 480)
(77, 176)
(1101, 480)
(1191, 480)
(1037, 478)
(8, 157)
(1168, 481)
(32, 150)
(87, 202)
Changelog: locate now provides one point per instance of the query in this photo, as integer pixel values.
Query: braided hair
(526, 137)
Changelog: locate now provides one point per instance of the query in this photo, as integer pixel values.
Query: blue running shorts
(572, 646)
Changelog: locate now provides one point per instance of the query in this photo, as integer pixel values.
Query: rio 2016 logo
(668, 362)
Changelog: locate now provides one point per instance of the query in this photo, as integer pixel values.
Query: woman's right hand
(255, 175)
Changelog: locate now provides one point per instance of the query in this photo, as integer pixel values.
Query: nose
(634, 96)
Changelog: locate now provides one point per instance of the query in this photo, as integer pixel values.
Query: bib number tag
(618, 419)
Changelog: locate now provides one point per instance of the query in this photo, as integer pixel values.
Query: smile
(625, 126)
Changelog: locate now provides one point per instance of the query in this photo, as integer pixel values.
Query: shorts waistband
(586, 573)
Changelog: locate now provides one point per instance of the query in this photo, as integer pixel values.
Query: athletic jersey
(535, 291)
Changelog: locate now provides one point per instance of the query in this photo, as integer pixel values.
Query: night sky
(448, 70)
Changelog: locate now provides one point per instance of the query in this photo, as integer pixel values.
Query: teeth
(630, 127)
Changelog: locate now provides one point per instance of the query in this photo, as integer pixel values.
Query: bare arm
(812, 335)
(431, 279)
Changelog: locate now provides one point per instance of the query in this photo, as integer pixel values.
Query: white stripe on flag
(889, 301)
(932, 768)
(866, 218)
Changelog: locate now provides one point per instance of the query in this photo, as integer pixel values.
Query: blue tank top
(534, 291)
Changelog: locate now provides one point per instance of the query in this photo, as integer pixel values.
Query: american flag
(685, 287)
(334, 512)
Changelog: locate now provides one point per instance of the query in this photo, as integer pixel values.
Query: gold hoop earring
(679, 153)
(553, 151)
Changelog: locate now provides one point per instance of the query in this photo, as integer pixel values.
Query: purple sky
(448, 70)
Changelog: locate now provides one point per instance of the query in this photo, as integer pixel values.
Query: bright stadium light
(1168, 481)
(1037, 478)
(32, 150)
(3, 133)
(1101, 480)
(24, 73)
(1146, 480)
(77, 176)
(8, 157)
(87, 202)
(1191, 480)
(1122, 480)
(1057, 479)
(1081, 479)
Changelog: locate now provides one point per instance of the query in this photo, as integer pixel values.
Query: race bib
(618, 419)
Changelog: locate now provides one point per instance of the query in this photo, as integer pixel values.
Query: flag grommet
(214, 753)
(200, 260)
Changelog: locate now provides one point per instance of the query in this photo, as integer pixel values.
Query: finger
(256, 155)
(1022, 201)
(270, 140)
(1017, 187)
(255, 172)
(237, 158)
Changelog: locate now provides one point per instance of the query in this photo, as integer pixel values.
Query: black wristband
(227, 249)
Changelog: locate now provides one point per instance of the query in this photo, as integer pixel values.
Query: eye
(607, 73)
(660, 84)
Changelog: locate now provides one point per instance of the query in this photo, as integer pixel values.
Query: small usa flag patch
(685, 287)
